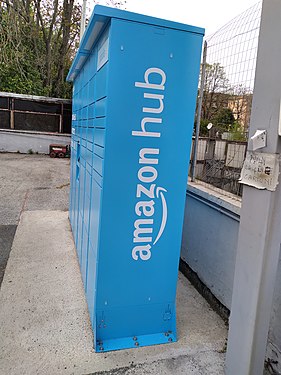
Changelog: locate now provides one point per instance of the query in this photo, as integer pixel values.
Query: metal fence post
(12, 114)
(199, 109)
(83, 19)
(61, 119)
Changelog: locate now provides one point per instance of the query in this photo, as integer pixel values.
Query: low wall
(25, 141)
(209, 243)
(209, 240)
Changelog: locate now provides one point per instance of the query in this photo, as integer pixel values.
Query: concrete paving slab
(45, 328)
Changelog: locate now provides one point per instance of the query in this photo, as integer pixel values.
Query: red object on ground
(60, 151)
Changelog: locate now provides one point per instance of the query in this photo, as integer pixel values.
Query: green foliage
(237, 134)
(224, 118)
(38, 41)
(11, 80)
(204, 132)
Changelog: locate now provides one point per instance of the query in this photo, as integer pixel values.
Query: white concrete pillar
(260, 225)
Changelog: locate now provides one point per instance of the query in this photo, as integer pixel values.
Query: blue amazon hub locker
(135, 85)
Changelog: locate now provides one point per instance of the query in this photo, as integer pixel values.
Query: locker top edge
(99, 19)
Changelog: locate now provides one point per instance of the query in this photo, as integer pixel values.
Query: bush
(224, 118)
(237, 134)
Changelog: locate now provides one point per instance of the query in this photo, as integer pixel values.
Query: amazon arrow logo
(160, 192)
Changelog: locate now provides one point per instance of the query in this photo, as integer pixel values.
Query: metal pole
(83, 18)
(199, 109)
(61, 119)
(258, 249)
(12, 115)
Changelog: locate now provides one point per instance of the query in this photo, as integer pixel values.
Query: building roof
(34, 97)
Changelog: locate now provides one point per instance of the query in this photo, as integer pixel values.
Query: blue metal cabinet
(135, 85)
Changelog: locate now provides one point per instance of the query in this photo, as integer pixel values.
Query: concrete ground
(32, 182)
(28, 182)
(45, 328)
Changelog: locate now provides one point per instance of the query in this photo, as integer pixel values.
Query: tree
(17, 68)
(241, 104)
(224, 104)
(224, 118)
(38, 40)
(216, 90)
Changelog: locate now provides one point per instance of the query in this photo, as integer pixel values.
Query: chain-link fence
(225, 101)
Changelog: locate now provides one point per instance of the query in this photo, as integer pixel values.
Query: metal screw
(136, 343)
(166, 333)
(135, 338)
(101, 348)
(170, 339)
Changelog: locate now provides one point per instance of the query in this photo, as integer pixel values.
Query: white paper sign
(103, 54)
(260, 170)
(259, 139)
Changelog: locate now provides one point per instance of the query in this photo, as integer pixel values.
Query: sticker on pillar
(103, 54)
(259, 139)
(260, 170)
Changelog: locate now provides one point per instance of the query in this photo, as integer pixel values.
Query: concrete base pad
(45, 328)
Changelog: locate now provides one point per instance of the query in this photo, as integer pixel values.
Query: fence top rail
(34, 97)
(32, 132)
(221, 140)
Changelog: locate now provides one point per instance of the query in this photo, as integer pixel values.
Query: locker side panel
(153, 77)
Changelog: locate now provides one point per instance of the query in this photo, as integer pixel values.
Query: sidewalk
(45, 327)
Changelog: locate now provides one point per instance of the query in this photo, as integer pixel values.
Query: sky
(209, 14)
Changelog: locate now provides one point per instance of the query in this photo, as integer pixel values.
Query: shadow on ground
(7, 233)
